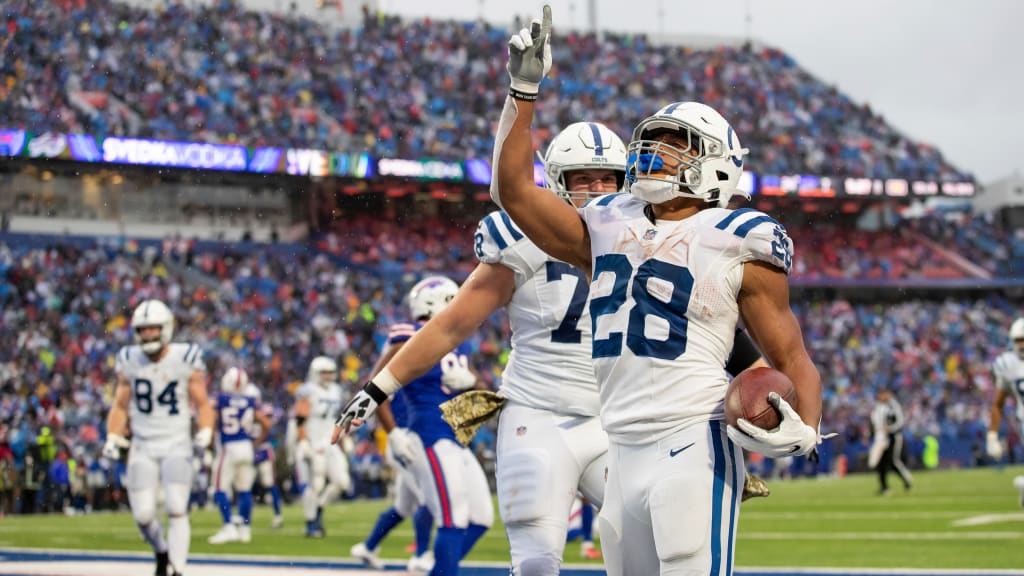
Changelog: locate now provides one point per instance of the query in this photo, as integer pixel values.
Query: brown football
(747, 397)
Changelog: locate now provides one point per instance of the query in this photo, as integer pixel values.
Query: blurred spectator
(416, 89)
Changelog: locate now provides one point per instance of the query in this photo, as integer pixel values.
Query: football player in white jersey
(265, 455)
(157, 381)
(672, 273)
(321, 467)
(1008, 373)
(234, 468)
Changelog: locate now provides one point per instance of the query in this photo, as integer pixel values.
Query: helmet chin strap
(655, 191)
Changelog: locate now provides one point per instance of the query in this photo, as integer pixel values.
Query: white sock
(179, 533)
(309, 503)
(329, 494)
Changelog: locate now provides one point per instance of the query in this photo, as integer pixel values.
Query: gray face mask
(654, 191)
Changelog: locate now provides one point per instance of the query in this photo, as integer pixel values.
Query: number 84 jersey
(160, 412)
(663, 305)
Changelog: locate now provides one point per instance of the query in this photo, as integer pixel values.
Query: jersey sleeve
(762, 238)
(497, 241)
(401, 332)
(999, 373)
(303, 391)
(194, 358)
(121, 361)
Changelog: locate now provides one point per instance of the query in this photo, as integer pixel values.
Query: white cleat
(277, 522)
(369, 557)
(227, 533)
(1018, 483)
(244, 534)
(421, 564)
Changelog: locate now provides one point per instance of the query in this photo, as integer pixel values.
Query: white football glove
(993, 446)
(112, 448)
(203, 439)
(792, 438)
(303, 450)
(458, 379)
(401, 447)
(358, 409)
(529, 57)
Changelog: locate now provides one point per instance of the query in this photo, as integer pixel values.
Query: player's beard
(654, 191)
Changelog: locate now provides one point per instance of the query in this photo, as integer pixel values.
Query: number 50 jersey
(160, 412)
(550, 366)
(663, 304)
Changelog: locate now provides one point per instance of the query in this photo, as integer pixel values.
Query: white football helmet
(430, 295)
(234, 381)
(1017, 336)
(322, 371)
(153, 313)
(709, 168)
(583, 146)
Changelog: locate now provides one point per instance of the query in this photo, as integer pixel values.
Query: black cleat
(162, 561)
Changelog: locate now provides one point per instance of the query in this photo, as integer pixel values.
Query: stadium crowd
(64, 312)
(408, 89)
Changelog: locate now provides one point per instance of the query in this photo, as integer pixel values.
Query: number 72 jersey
(663, 302)
(550, 366)
(160, 411)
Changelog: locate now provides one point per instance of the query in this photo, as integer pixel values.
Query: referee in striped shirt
(887, 419)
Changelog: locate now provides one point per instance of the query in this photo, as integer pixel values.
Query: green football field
(951, 519)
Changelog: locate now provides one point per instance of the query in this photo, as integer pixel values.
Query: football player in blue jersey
(453, 483)
(409, 501)
(234, 468)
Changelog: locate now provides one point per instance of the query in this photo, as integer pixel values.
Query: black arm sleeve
(744, 353)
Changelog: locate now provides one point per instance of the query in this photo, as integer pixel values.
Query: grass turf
(823, 523)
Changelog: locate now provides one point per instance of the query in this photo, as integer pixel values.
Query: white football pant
(408, 495)
(233, 467)
(150, 467)
(671, 507)
(454, 486)
(543, 460)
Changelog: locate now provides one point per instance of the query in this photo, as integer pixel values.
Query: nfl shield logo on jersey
(521, 431)
(649, 234)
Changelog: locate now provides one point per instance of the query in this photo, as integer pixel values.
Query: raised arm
(552, 224)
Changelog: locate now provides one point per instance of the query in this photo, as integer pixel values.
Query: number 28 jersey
(663, 306)
(160, 411)
(550, 366)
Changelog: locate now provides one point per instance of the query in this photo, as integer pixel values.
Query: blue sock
(245, 507)
(423, 523)
(386, 522)
(587, 519)
(448, 551)
(221, 499)
(473, 533)
(275, 497)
